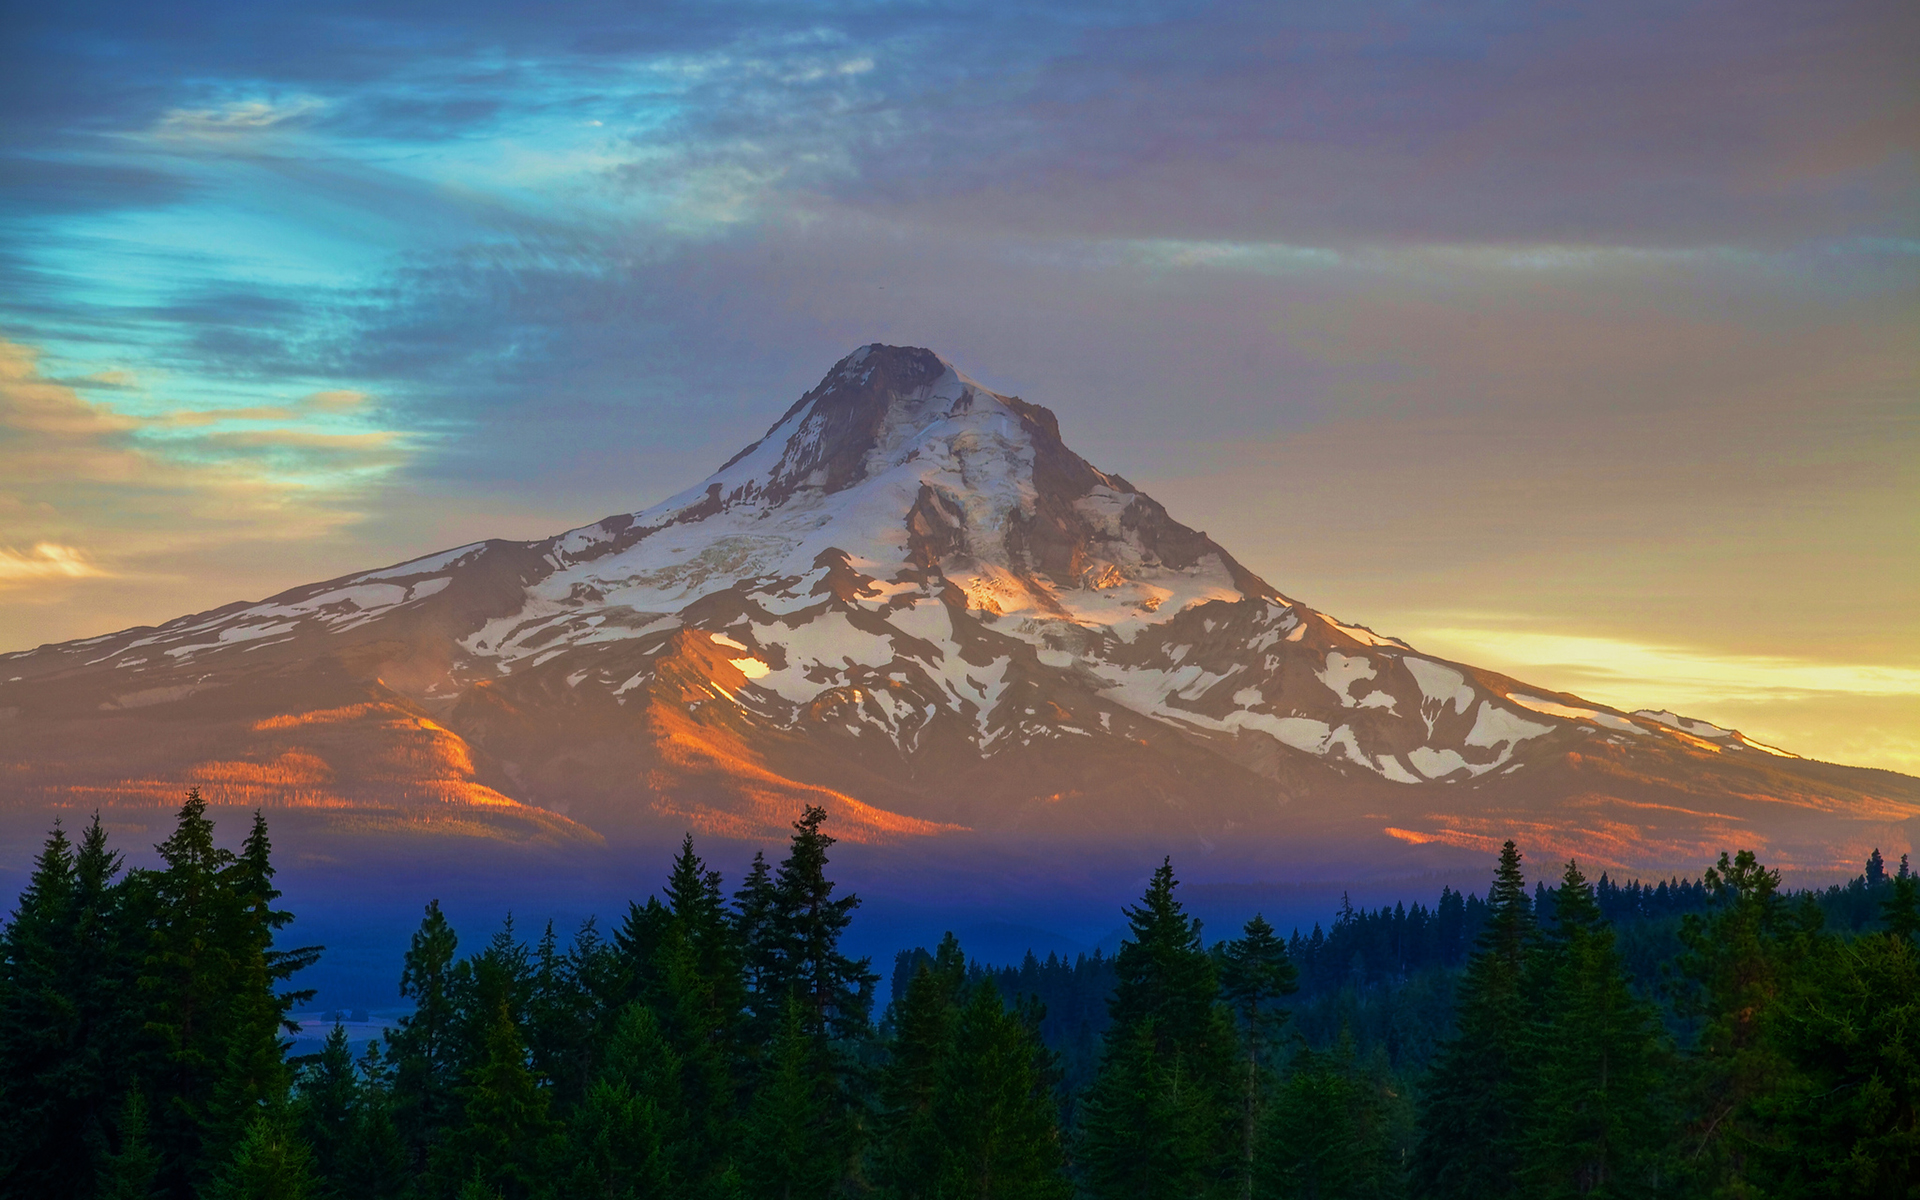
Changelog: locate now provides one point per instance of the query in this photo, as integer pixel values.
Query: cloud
(238, 121)
(48, 560)
(1640, 673)
(147, 496)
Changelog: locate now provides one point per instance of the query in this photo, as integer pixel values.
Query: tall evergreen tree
(1599, 1122)
(628, 1139)
(994, 1106)
(1330, 1133)
(1472, 1125)
(129, 1169)
(255, 1015)
(269, 1161)
(505, 1138)
(425, 1043)
(1843, 1118)
(207, 980)
(1739, 960)
(922, 1021)
(66, 971)
(1255, 973)
(1170, 1058)
(795, 1142)
(835, 991)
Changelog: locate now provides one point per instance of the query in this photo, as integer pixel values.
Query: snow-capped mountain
(911, 602)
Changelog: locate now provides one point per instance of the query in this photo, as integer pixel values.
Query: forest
(1719, 1036)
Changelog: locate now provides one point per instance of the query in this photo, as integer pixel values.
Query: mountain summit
(912, 603)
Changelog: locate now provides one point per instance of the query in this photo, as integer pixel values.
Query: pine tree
(1739, 961)
(835, 991)
(188, 979)
(1168, 1032)
(40, 1148)
(627, 1140)
(1255, 973)
(268, 1162)
(327, 1110)
(1599, 1123)
(373, 1163)
(1900, 911)
(795, 1144)
(994, 1108)
(130, 1169)
(425, 1048)
(1843, 1120)
(505, 1138)
(1471, 1128)
(1330, 1131)
(907, 1131)
(762, 952)
(1147, 1130)
(699, 998)
(255, 1071)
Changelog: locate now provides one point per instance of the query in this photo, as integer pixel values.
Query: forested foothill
(1708, 1037)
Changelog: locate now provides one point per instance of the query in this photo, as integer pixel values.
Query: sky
(1579, 341)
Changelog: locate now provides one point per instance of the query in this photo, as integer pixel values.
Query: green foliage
(1335, 1130)
(723, 1052)
(505, 1137)
(628, 1141)
(1255, 973)
(1843, 1118)
(1599, 1120)
(269, 1162)
(967, 1101)
(1170, 1061)
(794, 1144)
(1477, 1093)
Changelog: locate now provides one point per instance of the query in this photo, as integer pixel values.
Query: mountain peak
(912, 602)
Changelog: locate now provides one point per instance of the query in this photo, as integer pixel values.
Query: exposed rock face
(912, 602)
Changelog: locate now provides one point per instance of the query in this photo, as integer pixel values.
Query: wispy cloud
(140, 492)
(237, 121)
(47, 560)
(1623, 671)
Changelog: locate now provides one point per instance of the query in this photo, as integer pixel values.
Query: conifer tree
(1330, 1132)
(268, 1162)
(907, 1131)
(762, 953)
(835, 991)
(326, 1110)
(40, 1150)
(1843, 1118)
(994, 1108)
(1255, 973)
(1900, 911)
(1598, 1123)
(1170, 1059)
(627, 1140)
(66, 1020)
(1739, 961)
(425, 1046)
(795, 1143)
(1147, 1129)
(205, 990)
(255, 1015)
(373, 1163)
(700, 1000)
(1471, 1128)
(505, 1138)
(128, 1170)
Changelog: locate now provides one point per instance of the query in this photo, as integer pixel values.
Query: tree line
(722, 1044)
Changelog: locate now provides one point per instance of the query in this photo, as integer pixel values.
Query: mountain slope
(911, 602)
